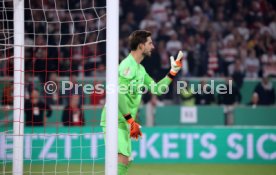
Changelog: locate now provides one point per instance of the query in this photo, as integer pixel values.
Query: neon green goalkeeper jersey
(133, 81)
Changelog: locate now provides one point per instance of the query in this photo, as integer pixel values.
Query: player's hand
(135, 131)
(176, 65)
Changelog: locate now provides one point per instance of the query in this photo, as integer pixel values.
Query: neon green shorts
(124, 141)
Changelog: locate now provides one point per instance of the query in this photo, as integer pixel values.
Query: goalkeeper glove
(176, 65)
(135, 131)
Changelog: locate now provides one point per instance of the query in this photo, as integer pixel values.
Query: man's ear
(140, 46)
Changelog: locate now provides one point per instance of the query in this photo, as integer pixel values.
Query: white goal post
(112, 54)
(18, 115)
(112, 43)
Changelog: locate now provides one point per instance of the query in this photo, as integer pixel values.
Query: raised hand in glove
(176, 65)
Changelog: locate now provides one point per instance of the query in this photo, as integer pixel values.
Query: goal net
(47, 86)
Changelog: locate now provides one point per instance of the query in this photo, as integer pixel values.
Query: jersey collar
(132, 59)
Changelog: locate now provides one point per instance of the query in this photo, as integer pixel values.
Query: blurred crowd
(232, 39)
(222, 37)
(67, 37)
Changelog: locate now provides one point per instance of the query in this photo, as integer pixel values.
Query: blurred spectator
(36, 111)
(77, 89)
(97, 97)
(229, 53)
(265, 91)
(269, 63)
(230, 98)
(140, 8)
(185, 64)
(130, 21)
(194, 48)
(3, 64)
(254, 100)
(7, 95)
(55, 97)
(173, 45)
(165, 32)
(252, 65)
(29, 85)
(214, 61)
(236, 71)
(149, 22)
(73, 113)
(204, 97)
(93, 58)
(187, 96)
(77, 59)
(243, 30)
(39, 65)
(123, 51)
(151, 108)
(272, 27)
(160, 10)
(164, 57)
(243, 51)
(198, 18)
(219, 24)
(229, 101)
(207, 10)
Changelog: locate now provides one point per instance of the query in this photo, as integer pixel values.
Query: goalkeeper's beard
(146, 54)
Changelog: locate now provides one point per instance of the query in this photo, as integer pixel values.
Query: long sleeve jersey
(133, 81)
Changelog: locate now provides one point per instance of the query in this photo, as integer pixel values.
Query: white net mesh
(64, 41)
(56, 23)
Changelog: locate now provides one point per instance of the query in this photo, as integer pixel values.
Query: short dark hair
(138, 37)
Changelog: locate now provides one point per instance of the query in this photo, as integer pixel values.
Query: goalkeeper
(133, 76)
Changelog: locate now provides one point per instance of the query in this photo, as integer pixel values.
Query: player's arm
(159, 87)
(162, 85)
(123, 107)
(125, 77)
(124, 82)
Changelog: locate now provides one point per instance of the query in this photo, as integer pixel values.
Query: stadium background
(220, 134)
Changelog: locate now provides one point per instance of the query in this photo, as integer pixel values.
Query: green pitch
(150, 169)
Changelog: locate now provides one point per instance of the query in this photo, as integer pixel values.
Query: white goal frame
(18, 114)
(112, 42)
(112, 48)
